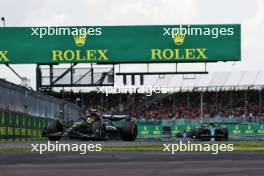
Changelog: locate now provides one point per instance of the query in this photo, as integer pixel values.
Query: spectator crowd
(188, 105)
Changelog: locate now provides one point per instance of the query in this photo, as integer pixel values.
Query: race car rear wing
(116, 117)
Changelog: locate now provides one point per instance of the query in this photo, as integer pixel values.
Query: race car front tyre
(98, 130)
(221, 134)
(129, 131)
(54, 126)
(54, 138)
(196, 133)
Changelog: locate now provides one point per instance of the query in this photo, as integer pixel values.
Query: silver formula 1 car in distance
(98, 128)
(207, 131)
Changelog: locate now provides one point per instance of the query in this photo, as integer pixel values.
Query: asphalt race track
(131, 163)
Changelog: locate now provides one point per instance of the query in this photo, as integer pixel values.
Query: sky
(248, 13)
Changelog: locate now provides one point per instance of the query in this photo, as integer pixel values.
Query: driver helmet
(93, 111)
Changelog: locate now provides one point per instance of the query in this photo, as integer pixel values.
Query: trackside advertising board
(120, 44)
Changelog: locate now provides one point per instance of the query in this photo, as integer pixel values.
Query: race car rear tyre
(221, 134)
(225, 132)
(98, 130)
(129, 131)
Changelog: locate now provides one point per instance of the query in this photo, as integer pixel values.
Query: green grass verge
(248, 146)
(133, 148)
(238, 146)
(15, 149)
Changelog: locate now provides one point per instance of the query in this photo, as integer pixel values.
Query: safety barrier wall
(24, 113)
(14, 98)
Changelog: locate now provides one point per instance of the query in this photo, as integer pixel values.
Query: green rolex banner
(120, 44)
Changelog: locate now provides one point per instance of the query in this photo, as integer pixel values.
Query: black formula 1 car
(206, 132)
(99, 128)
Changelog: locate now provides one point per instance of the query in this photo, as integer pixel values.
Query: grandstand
(212, 81)
(214, 95)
